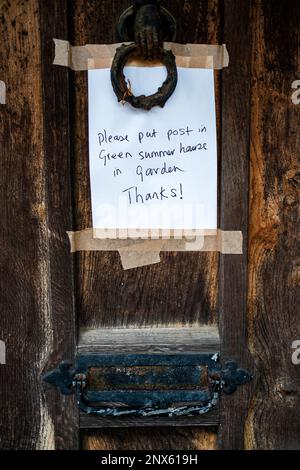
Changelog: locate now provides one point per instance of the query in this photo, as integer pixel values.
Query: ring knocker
(124, 93)
(151, 25)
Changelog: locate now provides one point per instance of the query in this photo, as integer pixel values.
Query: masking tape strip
(203, 62)
(2, 92)
(93, 56)
(141, 252)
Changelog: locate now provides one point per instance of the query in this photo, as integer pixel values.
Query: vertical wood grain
(274, 322)
(37, 319)
(25, 313)
(234, 212)
(149, 439)
(36, 290)
(55, 88)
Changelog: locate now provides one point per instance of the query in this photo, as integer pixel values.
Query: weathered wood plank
(26, 323)
(149, 340)
(36, 277)
(274, 323)
(149, 439)
(211, 419)
(234, 211)
(56, 135)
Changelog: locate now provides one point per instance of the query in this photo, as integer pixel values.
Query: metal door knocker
(149, 25)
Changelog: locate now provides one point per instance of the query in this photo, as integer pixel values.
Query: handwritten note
(156, 169)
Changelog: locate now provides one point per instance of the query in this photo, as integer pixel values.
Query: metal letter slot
(148, 24)
(147, 384)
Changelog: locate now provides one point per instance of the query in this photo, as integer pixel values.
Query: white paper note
(153, 169)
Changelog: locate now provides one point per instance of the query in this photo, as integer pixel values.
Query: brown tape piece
(132, 259)
(99, 56)
(2, 92)
(63, 54)
(196, 53)
(141, 252)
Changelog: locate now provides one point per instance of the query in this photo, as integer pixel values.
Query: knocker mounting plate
(149, 25)
(127, 22)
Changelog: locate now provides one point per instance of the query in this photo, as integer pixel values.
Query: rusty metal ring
(123, 54)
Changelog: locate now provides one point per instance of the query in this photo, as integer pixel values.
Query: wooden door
(50, 299)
